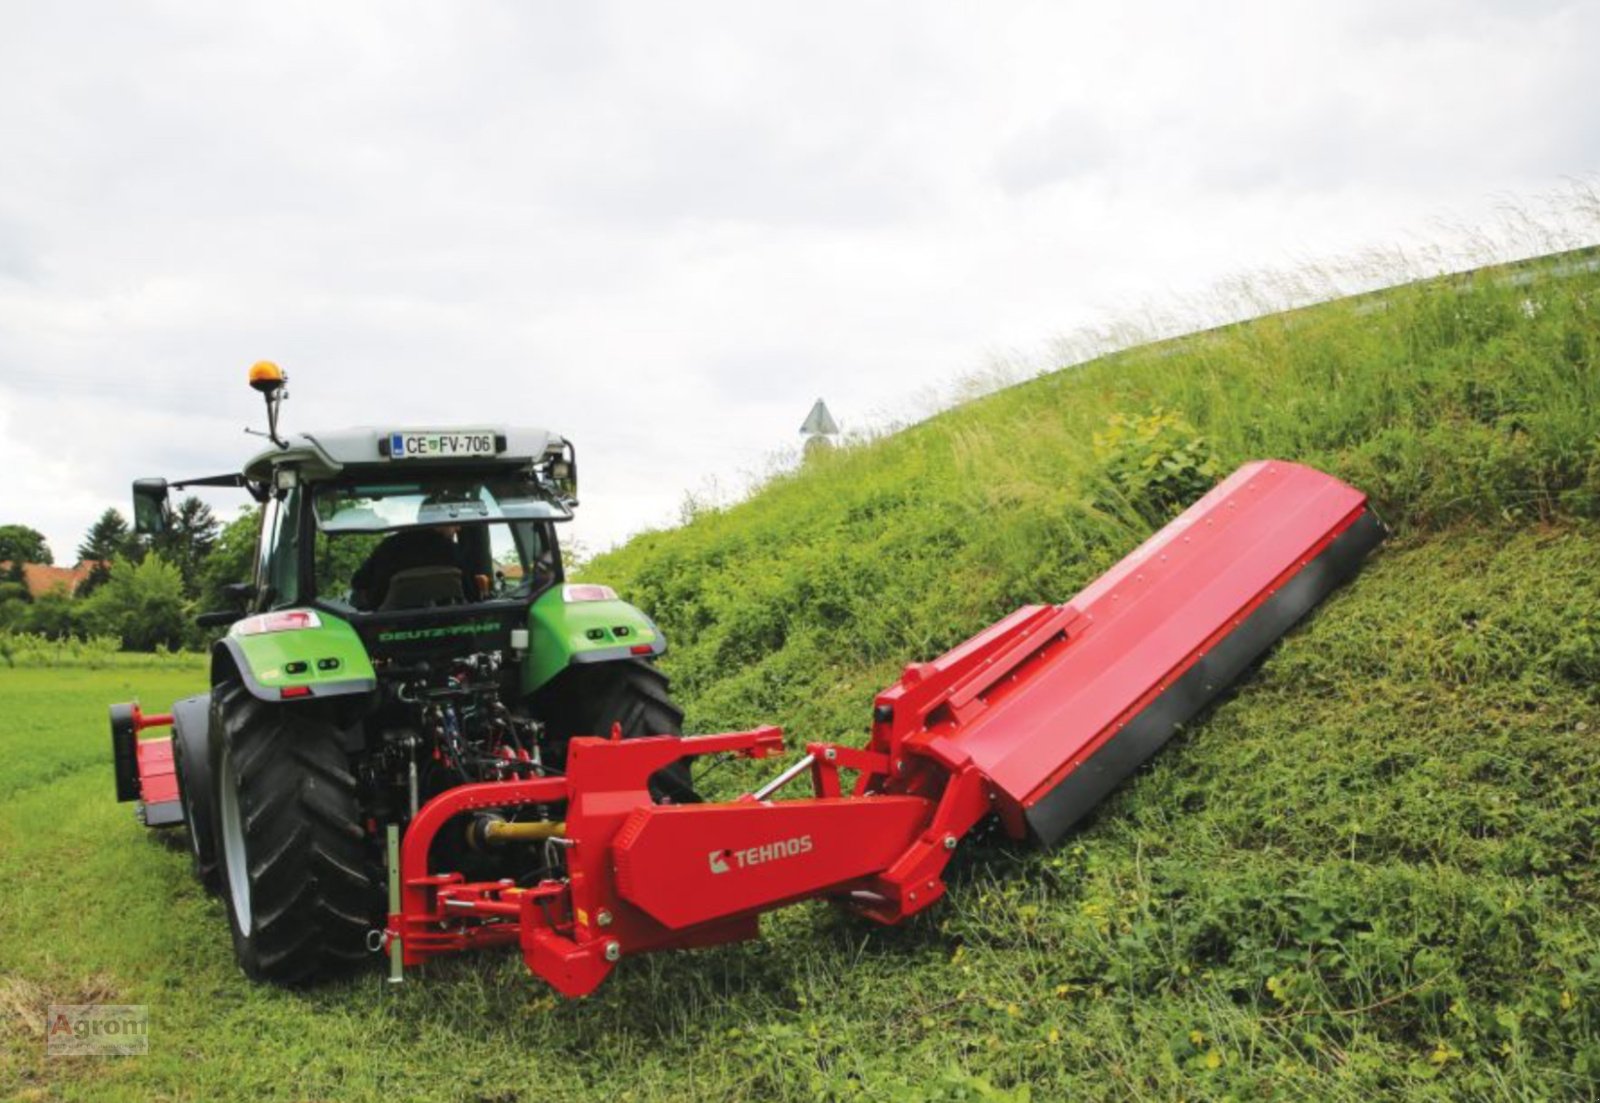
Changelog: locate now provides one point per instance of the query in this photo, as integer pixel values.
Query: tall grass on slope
(1390, 913)
(1473, 400)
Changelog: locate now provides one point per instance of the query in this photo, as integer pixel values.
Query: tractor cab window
(419, 566)
(450, 500)
(395, 543)
(277, 573)
(269, 523)
(283, 573)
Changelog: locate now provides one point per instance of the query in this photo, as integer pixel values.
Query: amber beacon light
(266, 377)
(269, 379)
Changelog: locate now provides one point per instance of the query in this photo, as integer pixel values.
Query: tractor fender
(190, 719)
(562, 632)
(320, 662)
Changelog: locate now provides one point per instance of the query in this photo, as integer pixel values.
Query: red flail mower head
(1033, 720)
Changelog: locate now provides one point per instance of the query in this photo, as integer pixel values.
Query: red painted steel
(648, 877)
(158, 777)
(1029, 700)
(994, 726)
(158, 780)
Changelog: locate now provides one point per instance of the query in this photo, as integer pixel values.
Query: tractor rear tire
(191, 760)
(300, 877)
(587, 699)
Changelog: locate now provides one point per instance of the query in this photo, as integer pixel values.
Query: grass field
(1370, 873)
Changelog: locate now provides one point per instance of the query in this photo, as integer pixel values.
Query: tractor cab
(424, 541)
(429, 541)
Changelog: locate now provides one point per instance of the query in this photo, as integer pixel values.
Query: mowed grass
(1371, 871)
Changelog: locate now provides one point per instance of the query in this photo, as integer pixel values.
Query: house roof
(41, 578)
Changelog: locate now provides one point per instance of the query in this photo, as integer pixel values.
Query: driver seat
(423, 587)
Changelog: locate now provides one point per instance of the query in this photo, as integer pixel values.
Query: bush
(54, 614)
(18, 649)
(144, 606)
(1156, 464)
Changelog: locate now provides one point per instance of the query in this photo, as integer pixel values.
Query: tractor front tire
(587, 699)
(299, 875)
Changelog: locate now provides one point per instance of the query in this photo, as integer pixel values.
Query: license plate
(434, 446)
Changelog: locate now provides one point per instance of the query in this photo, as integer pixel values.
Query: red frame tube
(629, 888)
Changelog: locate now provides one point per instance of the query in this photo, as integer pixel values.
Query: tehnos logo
(723, 861)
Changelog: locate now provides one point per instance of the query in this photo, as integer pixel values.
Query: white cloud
(665, 229)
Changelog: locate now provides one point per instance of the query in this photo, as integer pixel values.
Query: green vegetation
(92, 653)
(143, 591)
(1472, 402)
(20, 544)
(1371, 873)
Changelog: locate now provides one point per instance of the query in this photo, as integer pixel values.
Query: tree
(107, 540)
(21, 544)
(142, 605)
(232, 557)
(191, 534)
(14, 603)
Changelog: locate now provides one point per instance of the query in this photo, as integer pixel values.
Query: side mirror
(150, 509)
(561, 467)
(566, 475)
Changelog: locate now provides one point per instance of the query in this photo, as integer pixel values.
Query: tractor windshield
(391, 504)
(398, 544)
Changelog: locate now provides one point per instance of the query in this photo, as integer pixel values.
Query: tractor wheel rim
(233, 841)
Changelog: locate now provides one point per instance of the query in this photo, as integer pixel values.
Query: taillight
(289, 620)
(584, 591)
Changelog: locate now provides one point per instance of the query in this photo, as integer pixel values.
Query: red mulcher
(1032, 721)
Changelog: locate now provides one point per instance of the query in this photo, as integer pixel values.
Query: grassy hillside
(1372, 872)
(1373, 868)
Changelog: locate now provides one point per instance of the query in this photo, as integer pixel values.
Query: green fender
(330, 659)
(562, 632)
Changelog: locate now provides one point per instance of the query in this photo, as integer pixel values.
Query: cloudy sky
(664, 229)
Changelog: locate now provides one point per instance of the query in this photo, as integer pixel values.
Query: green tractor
(408, 630)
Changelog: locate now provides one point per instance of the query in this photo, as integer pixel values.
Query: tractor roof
(325, 454)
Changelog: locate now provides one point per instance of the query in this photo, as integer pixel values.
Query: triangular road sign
(819, 422)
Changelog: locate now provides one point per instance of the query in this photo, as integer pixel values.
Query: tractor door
(277, 573)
